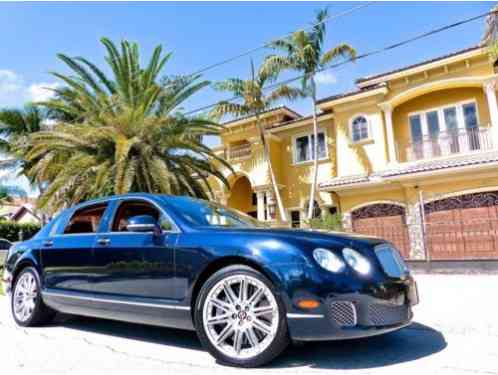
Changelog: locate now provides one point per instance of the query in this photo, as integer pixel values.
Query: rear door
(134, 264)
(67, 253)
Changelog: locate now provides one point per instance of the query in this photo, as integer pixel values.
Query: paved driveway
(455, 332)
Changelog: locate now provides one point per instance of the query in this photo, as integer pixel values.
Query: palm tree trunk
(315, 152)
(266, 154)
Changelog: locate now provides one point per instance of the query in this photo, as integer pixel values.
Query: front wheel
(240, 319)
(28, 308)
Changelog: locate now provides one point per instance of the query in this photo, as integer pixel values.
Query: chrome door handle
(103, 241)
(48, 243)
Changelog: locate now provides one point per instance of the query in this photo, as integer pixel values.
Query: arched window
(359, 129)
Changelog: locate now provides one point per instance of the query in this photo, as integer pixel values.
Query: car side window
(128, 209)
(86, 220)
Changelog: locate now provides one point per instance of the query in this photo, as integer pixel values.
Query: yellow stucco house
(411, 155)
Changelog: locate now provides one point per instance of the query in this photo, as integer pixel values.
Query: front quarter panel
(281, 260)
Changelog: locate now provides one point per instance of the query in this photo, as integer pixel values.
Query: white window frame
(369, 129)
(308, 134)
(442, 123)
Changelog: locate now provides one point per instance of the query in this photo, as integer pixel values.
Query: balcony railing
(449, 143)
(237, 152)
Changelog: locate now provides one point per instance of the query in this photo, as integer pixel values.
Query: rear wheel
(28, 308)
(239, 317)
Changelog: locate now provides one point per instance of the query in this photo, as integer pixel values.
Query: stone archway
(241, 196)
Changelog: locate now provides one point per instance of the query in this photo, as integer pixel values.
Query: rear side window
(85, 220)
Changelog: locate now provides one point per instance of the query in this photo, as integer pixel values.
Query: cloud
(326, 78)
(39, 92)
(11, 86)
(15, 92)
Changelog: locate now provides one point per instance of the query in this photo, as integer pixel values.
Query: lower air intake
(343, 313)
(384, 315)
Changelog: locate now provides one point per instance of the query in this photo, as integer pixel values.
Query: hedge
(13, 231)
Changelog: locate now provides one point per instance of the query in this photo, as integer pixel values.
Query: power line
(361, 56)
(267, 44)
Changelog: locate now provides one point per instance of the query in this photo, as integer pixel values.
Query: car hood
(317, 237)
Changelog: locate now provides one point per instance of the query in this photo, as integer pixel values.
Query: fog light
(308, 304)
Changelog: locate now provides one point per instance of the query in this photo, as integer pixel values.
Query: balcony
(460, 141)
(239, 151)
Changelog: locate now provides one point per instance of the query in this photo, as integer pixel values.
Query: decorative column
(391, 145)
(415, 224)
(270, 206)
(347, 222)
(260, 201)
(489, 90)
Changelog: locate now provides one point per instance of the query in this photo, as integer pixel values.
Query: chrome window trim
(176, 228)
(108, 300)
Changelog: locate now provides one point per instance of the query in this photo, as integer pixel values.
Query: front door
(135, 264)
(67, 254)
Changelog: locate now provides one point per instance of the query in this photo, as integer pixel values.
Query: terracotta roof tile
(418, 167)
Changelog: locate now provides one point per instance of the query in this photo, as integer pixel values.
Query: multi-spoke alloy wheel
(25, 296)
(27, 306)
(241, 317)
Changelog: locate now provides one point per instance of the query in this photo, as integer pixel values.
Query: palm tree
(15, 127)
(122, 133)
(304, 53)
(254, 102)
(490, 36)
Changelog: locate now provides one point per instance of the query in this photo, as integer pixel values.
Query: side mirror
(143, 223)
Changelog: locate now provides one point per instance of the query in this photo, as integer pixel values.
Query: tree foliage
(122, 132)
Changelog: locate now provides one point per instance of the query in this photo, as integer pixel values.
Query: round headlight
(356, 261)
(328, 260)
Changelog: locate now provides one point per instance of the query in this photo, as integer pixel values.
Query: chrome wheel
(240, 316)
(25, 295)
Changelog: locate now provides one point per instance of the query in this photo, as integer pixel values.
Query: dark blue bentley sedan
(186, 263)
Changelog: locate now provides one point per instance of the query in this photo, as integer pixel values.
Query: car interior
(129, 209)
(85, 220)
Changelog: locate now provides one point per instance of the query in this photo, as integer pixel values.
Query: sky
(202, 33)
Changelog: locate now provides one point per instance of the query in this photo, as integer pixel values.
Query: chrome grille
(391, 260)
(384, 315)
(343, 313)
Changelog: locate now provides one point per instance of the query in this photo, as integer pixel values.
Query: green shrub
(13, 231)
(327, 222)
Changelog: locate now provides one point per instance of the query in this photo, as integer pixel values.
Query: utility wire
(361, 56)
(267, 44)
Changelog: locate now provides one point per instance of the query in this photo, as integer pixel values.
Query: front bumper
(354, 315)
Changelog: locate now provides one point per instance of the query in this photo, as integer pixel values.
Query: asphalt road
(455, 332)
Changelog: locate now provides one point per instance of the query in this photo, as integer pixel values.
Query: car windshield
(202, 213)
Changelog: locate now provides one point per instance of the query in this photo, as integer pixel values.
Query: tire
(35, 312)
(255, 326)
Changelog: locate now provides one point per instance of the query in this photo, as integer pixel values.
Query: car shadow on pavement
(145, 333)
(408, 344)
(405, 345)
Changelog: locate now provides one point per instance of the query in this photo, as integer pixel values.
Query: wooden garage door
(385, 221)
(463, 227)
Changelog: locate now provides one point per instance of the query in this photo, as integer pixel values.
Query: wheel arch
(223, 262)
(22, 264)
